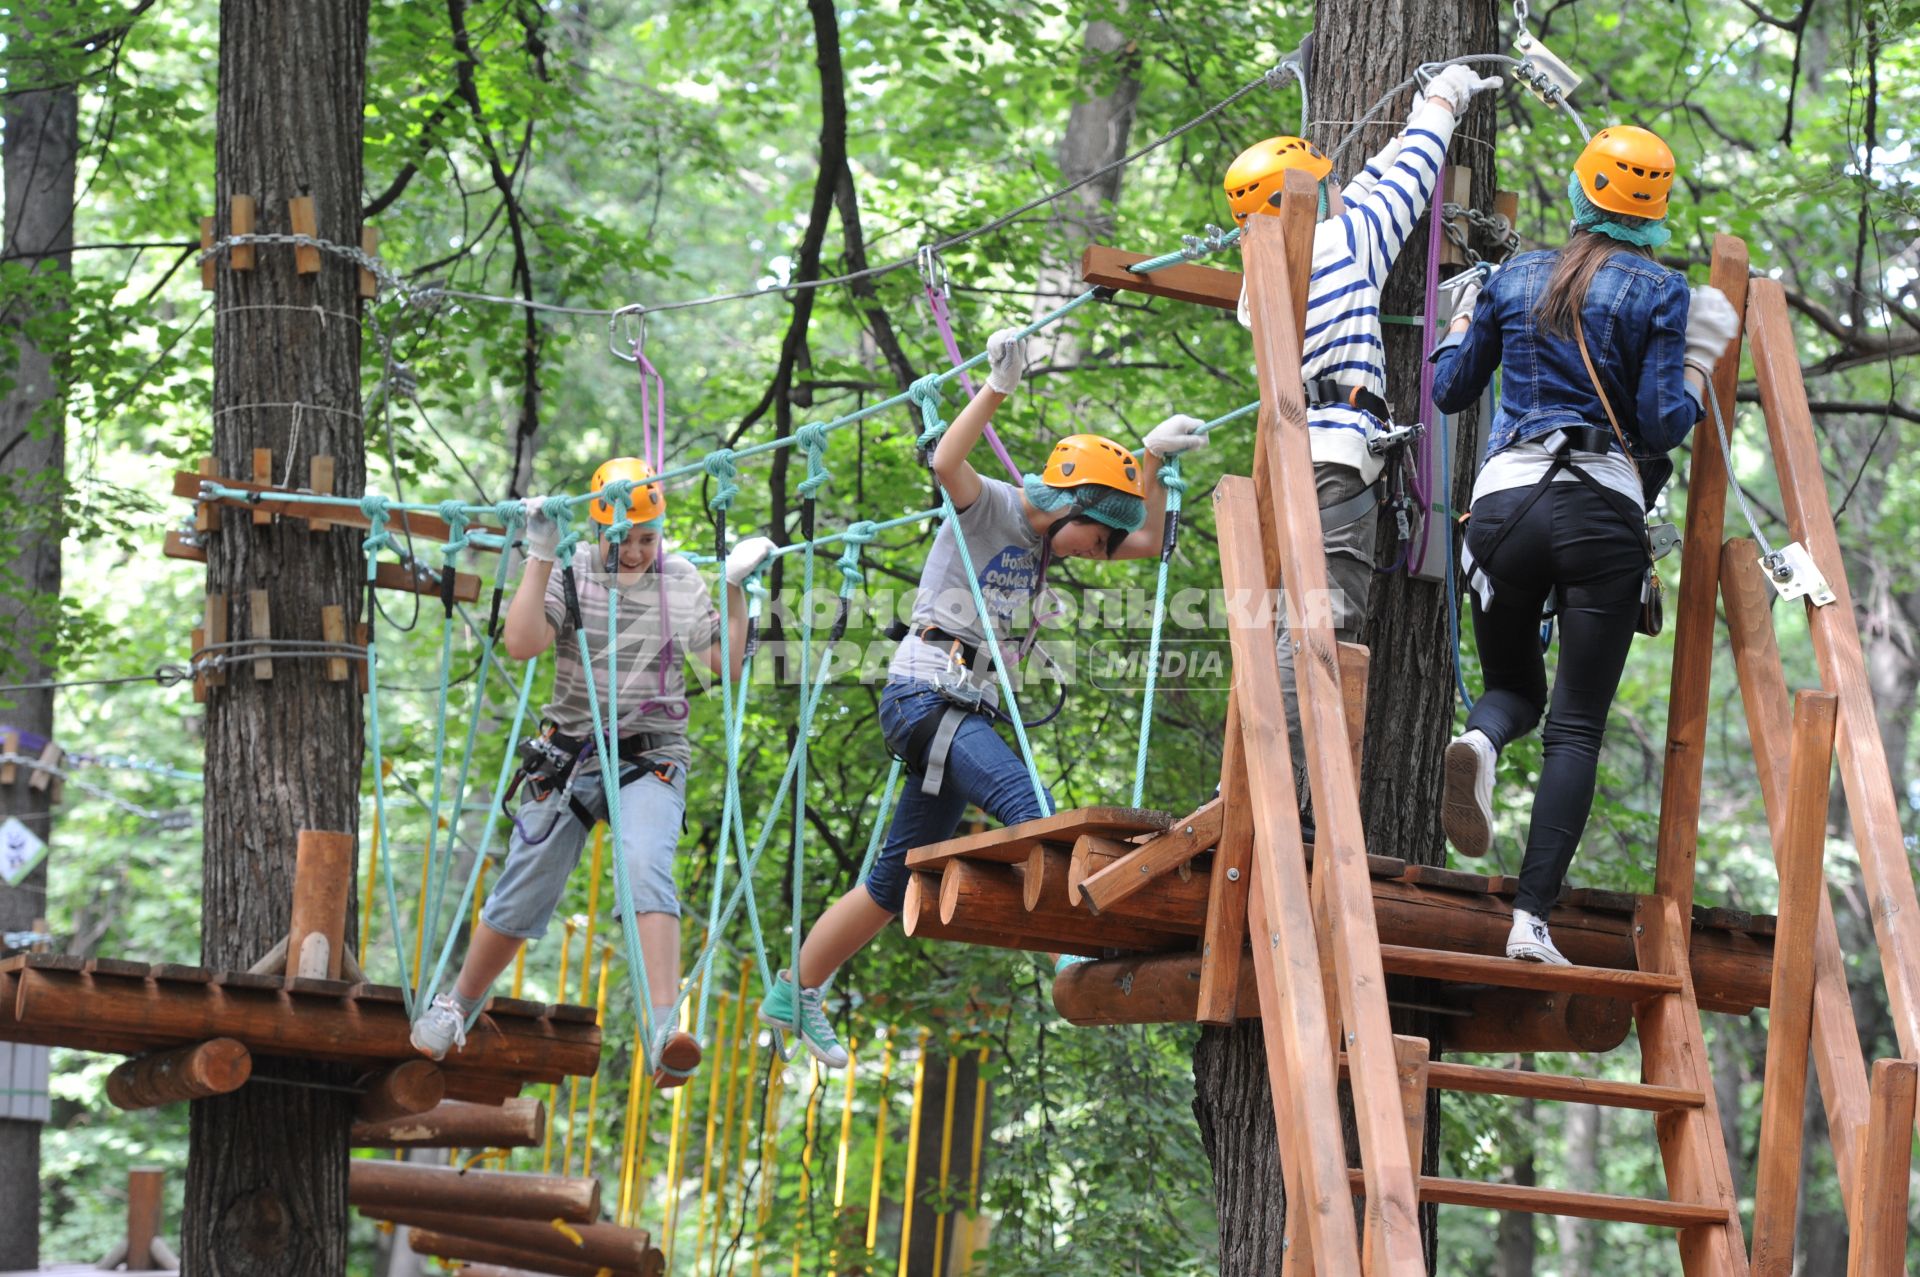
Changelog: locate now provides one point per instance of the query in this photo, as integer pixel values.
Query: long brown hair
(1580, 259)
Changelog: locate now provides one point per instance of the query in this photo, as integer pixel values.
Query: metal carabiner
(933, 272)
(630, 323)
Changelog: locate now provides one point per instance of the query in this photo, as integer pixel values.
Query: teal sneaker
(1065, 961)
(802, 1015)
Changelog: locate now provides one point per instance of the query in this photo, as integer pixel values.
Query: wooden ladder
(1318, 957)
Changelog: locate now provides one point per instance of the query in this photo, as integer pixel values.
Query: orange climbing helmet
(1256, 175)
(1079, 460)
(1626, 170)
(648, 501)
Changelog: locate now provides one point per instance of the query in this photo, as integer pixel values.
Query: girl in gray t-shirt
(1095, 499)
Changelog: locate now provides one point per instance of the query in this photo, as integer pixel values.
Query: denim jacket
(1635, 318)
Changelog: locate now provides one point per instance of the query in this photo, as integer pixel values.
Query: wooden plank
(1871, 801)
(466, 1251)
(301, 216)
(1411, 1065)
(320, 481)
(1340, 849)
(186, 484)
(1673, 1052)
(1286, 956)
(1103, 267)
(1509, 973)
(1177, 903)
(1147, 861)
(1355, 661)
(9, 744)
(452, 1124)
(333, 628)
(387, 575)
(620, 1250)
(263, 478)
(1555, 1201)
(377, 1184)
(991, 898)
(1803, 880)
(920, 919)
(1459, 191)
(215, 629)
(41, 777)
(1878, 1222)
(1478, 1080)
(1010, 845)
(1228, 887)
(370, 245)
(260, 626)
(207, 264)
(146, 1186)
(1693, 622)
(1839, 1063)
(206, 515)
(322, 888)
(240, 212)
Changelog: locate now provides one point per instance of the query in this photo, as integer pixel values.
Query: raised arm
(1006, 360)
(527, 632)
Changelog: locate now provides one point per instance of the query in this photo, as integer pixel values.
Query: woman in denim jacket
(1576, 501)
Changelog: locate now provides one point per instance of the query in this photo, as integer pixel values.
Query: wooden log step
(376, 1185)
(624, 1251)
(1508, 973)
(1009, 846)
(268, 1022)
(1175, 900)
(992, 898)
(518, 1123)
(1104, 885)
(467, 1250)
(1443, 1076)
(920, 918)
(195, 1072)
(404, 1090)
(1557, 1201)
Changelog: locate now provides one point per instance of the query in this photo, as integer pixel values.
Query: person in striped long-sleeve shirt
(1343, 360)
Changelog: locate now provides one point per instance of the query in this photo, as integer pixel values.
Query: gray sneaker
(822, 1044)
(440, 1028)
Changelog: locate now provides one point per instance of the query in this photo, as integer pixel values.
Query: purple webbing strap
(937, 302)
(1430, 464)
(653, 422)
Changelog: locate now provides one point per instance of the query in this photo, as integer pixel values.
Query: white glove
(543, 534)
(1006, 360)
(1457, 85)
(745, 559)
(1711, 324)
(1467, 297)
(1177, 434)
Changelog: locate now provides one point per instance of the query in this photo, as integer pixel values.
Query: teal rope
(1176, 486)
(376, 508)
(813, 441)
(927, 392)
(720, 466)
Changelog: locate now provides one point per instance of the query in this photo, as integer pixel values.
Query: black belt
(1322, 391)
(1586, 439)
(934, 635)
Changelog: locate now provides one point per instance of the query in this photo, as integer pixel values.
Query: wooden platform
(133, 1008)
(1021, 888)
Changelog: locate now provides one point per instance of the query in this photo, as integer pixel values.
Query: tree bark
(1580, 1139)
(928, 1195)
(1516, 1227)
(41, 149)
(1410, 700)
(267, 1170)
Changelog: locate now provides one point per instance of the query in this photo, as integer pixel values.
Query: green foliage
(663, 151)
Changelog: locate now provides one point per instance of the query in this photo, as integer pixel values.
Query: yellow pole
(815, 1091)
(593, 1087)
(630, 1143)
(553, 1088)
(672, 1211)
(646, 1124)
(419, 935)
(732, 1118)
(520, 969)
(972, 1218)
(573, 1083)
(769, 1149)
(946, 1164)
(913, 1152)
(479, 892)
(880, 1145)
(366, 900)
(840, 1155)
(713, 1116)
(593, 903)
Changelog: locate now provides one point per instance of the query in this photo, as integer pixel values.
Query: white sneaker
(441, 1027)
(1529, 941)
(1466, 807)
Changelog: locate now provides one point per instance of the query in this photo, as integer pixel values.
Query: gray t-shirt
(665, 619)
(1006, 553)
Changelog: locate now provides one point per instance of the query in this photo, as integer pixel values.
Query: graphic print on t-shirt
(1007, 580)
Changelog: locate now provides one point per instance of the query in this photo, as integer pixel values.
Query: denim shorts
(534, 878)
(981, 768)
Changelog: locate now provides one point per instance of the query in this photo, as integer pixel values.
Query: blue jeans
(981, 769)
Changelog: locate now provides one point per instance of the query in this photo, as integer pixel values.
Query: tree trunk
(1098, 127)
(1580, 1138)
(1410, 701)
(267, 1171)
(1516, 1227)
(41, 146)
(929, 1197)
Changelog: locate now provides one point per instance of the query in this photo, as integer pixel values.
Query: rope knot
(511, 513)
(1172, 480)
(721, 468)
(926, 392)
(812, 439)
(455, 514)
(857, 537)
